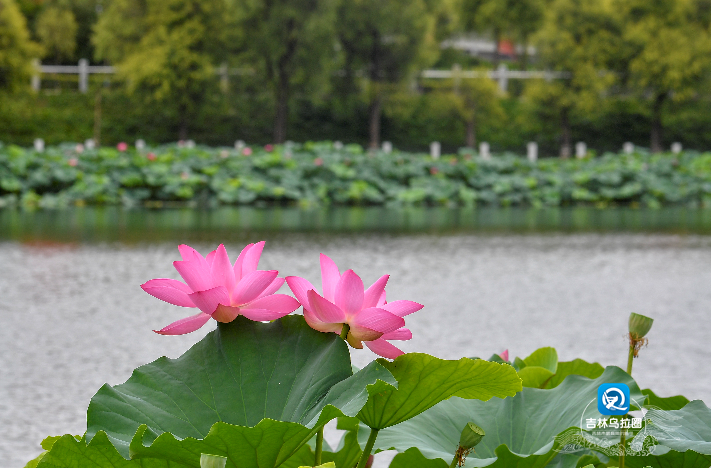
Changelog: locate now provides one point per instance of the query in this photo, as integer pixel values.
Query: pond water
(73, 317)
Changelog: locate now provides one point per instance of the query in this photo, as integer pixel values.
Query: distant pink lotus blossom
(505, 355)
(123, 146)
(318, 162)
(247, 151)
(79, 148)
(434, 170)
(268, 148)
(73, 162)
(221, 290)
(151, 156)
(344, 301)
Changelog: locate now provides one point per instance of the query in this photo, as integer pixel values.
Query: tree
(292, 42)
(166, 48)
(515, 19)
(16, 48)
(57, 30)
(578, 37)
(664, 53)
(387, 40)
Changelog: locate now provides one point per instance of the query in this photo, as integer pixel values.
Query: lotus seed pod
(639, 325)
(212, 461)
(471, 435)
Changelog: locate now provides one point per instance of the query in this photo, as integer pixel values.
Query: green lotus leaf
(668, 403)
(688, 428)
(671, 459)
(346, 454)
(249, 391)
(534, 376)
(575, 367)
(546, 358)
(526, 425)
(424, 380)
(68, 452)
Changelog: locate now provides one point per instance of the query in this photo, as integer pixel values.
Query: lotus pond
(324, 174)
(554, 287)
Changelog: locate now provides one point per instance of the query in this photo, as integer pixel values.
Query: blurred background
(286, 113)
(410, 72)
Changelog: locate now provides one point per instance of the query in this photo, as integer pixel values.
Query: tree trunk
(183, 129)
(655, 142)
(282, 108)
(565, 147)
(374, 111)
(471, 133)
(97, 119)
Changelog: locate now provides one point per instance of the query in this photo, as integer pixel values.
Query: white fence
(502, 74)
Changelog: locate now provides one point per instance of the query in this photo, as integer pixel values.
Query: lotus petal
(375, 292)
(329, 277)
(252, 285)
(402, 308)
(300, 287)
(208, 300)
(169, 290)
(325, 310)
(221, 269)
(186, 325)
(383, 348)
(349, 294)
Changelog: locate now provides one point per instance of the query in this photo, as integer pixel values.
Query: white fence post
(140, 144)
(503, 76)
(457, 77)
(83, 75)
(676, 147)
(628, 148)
(89, 144)
(387, 147)
(532, 150)
(36, 80)
(435, 148)
(484, 151)
(581, 150)
(39, 145)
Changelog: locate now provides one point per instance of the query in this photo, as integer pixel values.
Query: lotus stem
(454, 460)
(344, 331)
(319, 447)
(368, 448)
(629, 361)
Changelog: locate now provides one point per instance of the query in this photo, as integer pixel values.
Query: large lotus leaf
(665, 403)
(685, 429)
(68, 452)
(424, 380)
(526, 425)
(546, 358)
(412, 457)
(345, 455)
(276, 377)
(671, 459)
(575, 367)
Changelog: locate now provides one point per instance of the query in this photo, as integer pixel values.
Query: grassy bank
(316, 174)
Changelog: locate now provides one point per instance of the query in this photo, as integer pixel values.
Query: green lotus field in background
(317, 174)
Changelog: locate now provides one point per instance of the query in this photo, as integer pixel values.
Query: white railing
(502, 74)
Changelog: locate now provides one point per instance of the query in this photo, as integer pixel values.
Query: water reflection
(112, 224)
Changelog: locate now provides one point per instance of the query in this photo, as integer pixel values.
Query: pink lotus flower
(247, 151)
(318, 162)
(151, 156)
(122, 146)
(73, 162)
(344, 302)
(268, 148)
(505, 355)
(221, 290)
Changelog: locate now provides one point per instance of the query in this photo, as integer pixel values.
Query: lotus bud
(471, 436)
(639, 325)
(212, 461)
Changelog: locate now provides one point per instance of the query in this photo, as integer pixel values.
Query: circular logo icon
(614, 399)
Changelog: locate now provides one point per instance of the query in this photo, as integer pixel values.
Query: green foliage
(424, 381)
(16, 48)
(248, 383)
(317, 174)
(57, 31)
(521, 427)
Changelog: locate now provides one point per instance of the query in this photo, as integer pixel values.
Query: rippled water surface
(72, 315)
